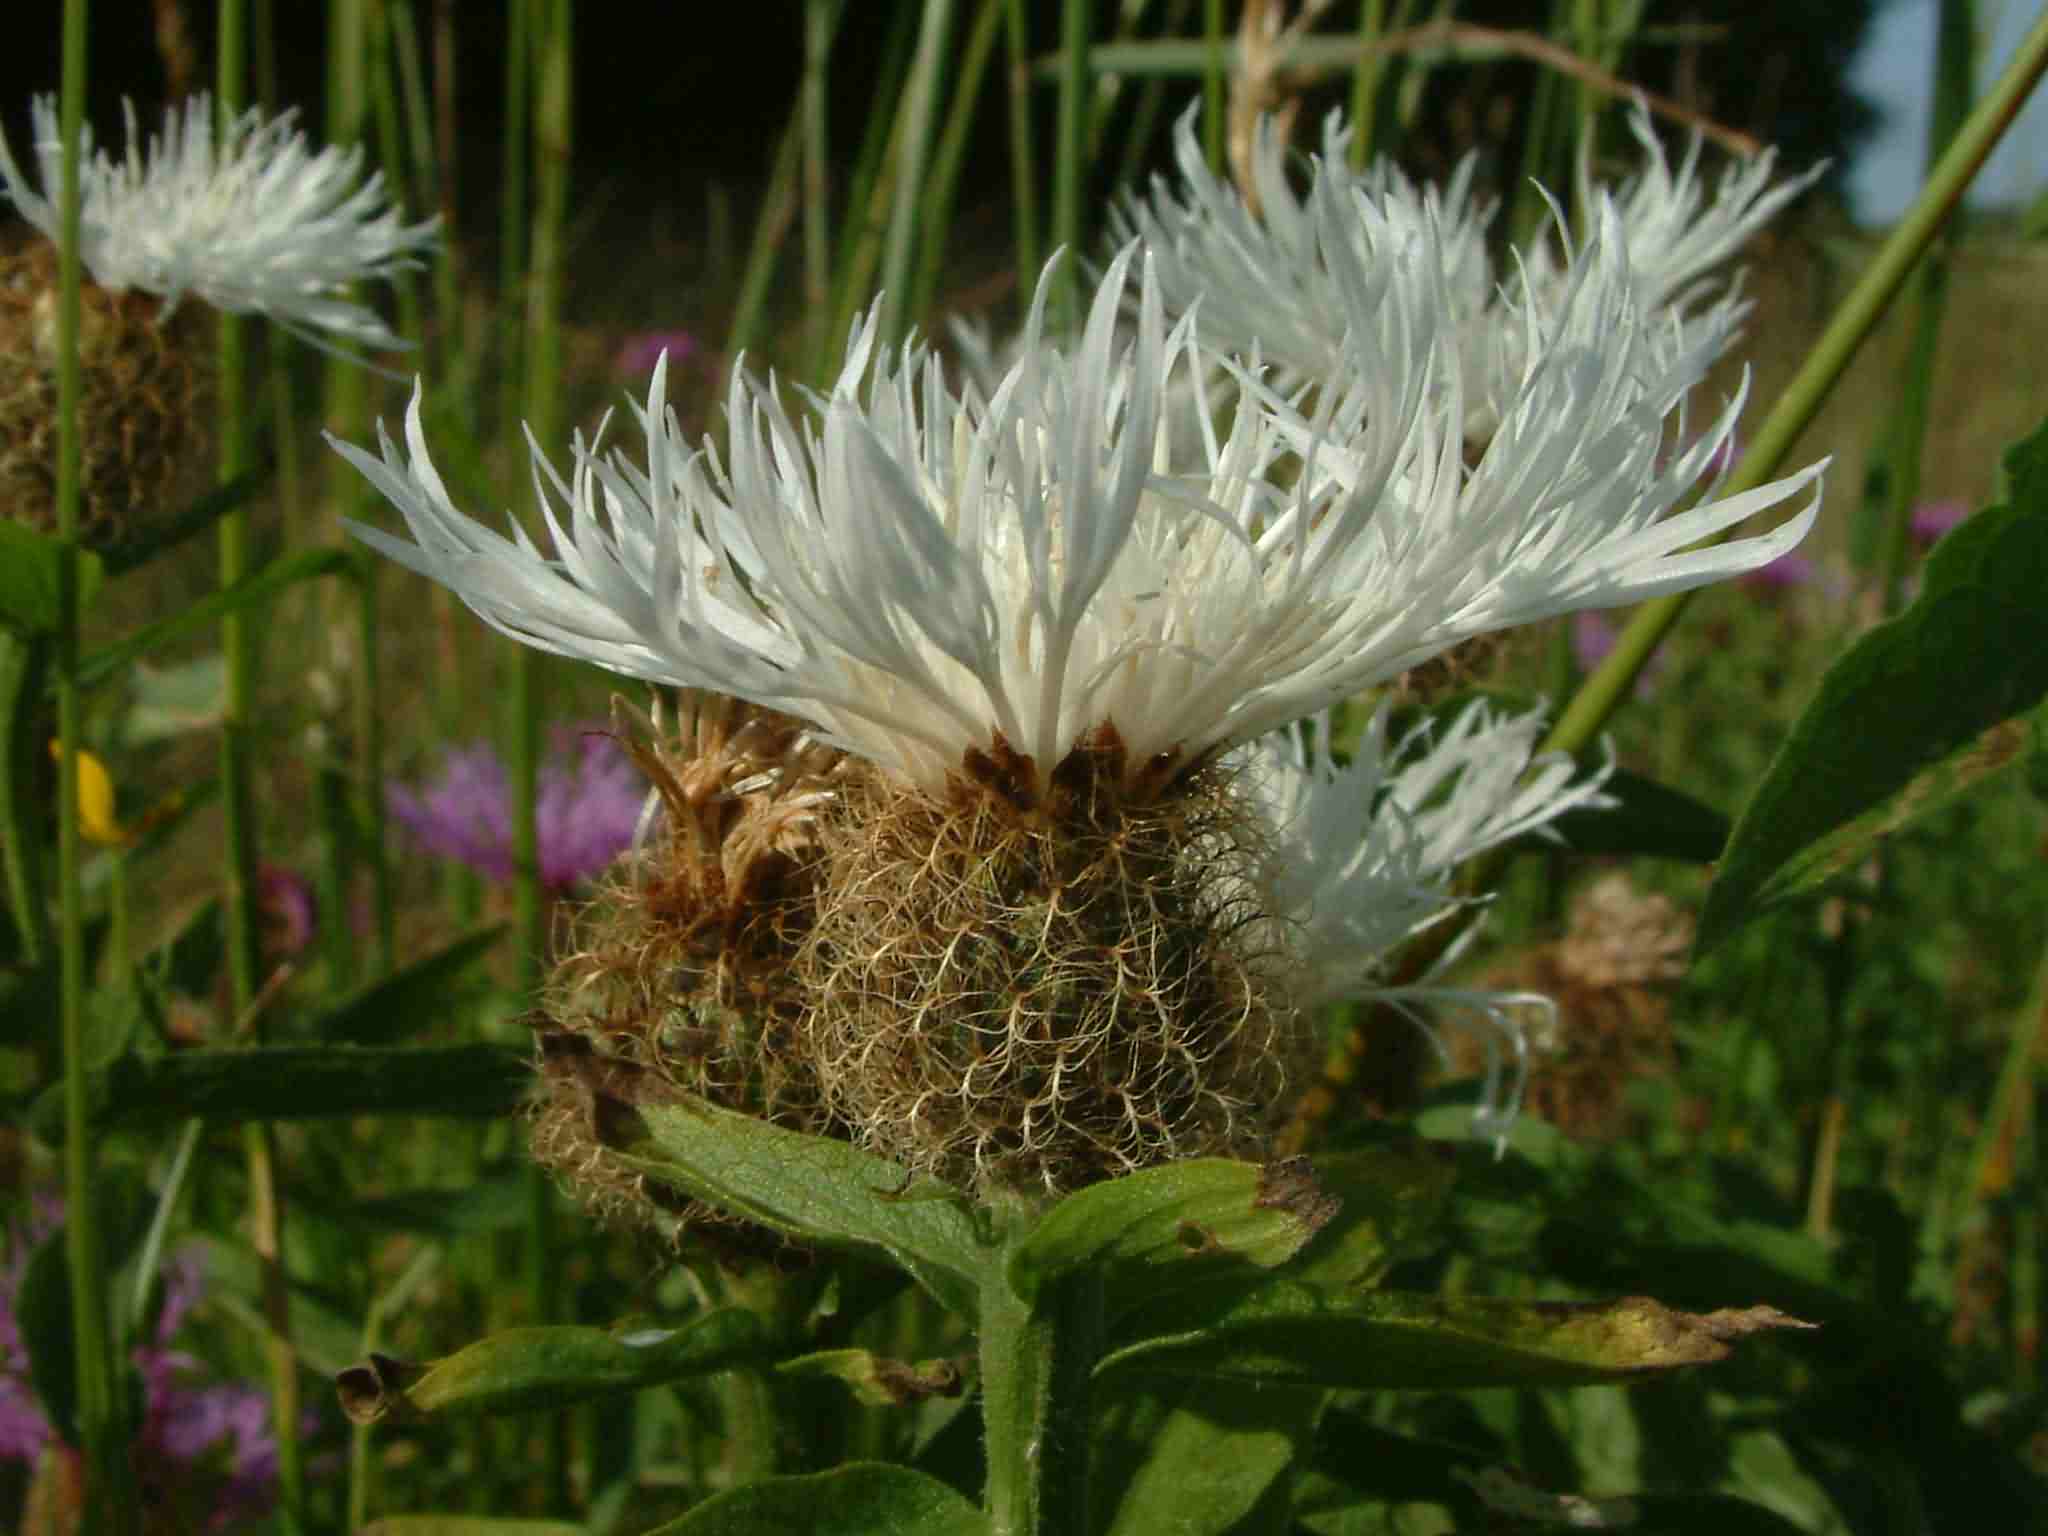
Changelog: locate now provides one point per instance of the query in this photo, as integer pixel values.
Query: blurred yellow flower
(96, 818)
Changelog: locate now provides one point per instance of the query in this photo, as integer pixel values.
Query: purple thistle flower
(214, 1441)
(586, 808)
(291, 915)
(1593, 638)
(1782, 574)
(1933, 519)
(642, 350)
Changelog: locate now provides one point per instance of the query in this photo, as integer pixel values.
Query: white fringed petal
(252, 221)
(921, 575)
(1368, 851)
(1282, 279)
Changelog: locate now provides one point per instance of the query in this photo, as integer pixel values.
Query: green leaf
(411, 1001)
(251, 591)
(29, 562)
(42, 1310)
(810, 1187)
(876, 1380)
(525, 1368)
(1395, 1205)
(1291, 1334)
(152, 536)
(1186, 1458)
(1362, 1469)
(299, 1082)
(24, 797)
(1918, 711)
(1648, 820)
(496, 1203)
(858, 1499)
(1180, 1217)
(466, 1525)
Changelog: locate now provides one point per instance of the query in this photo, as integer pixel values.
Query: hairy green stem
(1036, 1360)
(1612, 680)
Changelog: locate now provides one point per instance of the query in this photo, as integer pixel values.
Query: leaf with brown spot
(879, 1381)
(524, 1368)
(1134, 1230)
(1289, 1334)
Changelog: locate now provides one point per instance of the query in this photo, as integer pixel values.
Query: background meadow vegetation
(1833, 1111)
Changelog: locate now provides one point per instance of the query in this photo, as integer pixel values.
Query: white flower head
(251, 220)
(1281, 279)
(1574, 501)
(1367, 855)
(927, 576)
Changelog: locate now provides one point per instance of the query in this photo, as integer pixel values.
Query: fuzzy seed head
(1010, 988)
(681, 966)
(146, 386)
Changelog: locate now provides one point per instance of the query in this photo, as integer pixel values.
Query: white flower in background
(1572, 501)
(1368, 853)
(932, 579)
(1278, 278)
(251, 220)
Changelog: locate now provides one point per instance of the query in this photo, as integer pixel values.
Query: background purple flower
(290, 913)
(1932, 519)
(1782, 574)
(587, 806)
(210, 1443)
(641, 350)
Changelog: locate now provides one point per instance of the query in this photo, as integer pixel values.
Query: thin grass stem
(266, 1203)
(1023, 151)
(950, 154)
(101, 1418)
(553, 121)
(912, 198)
(1069, 170)
(1611, 682)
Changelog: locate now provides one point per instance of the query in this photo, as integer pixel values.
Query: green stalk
(362, 1463)
(778, 207)
(1036, 1359)
(1143, 118)
(1611, 681)
(1895, 467)
(1069, 173)
(552, 125)
(937, 214)
(1365, 80)
(920, 112)
(1023, 158)
(869, 190)
(266, 1206)
(1215, 61)
(291, 482)
(24, 675)
(512, 218)
(821, 23)
(101, 1416)
(2004, 1120)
